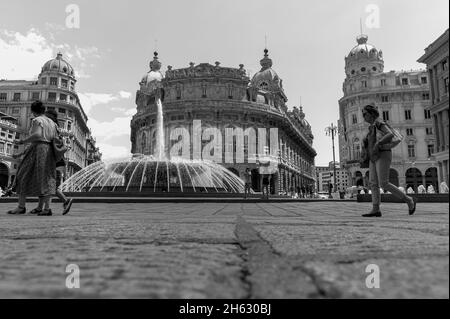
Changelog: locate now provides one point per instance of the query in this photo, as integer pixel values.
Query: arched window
(264, 86)
(413, 178)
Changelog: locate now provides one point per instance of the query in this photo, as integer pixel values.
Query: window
(427, 114)
(230, 92)
(63, 83)
(383, 82)
(409, 132)
(444, 65)
(2, 147)
(178, 93)
(63, 97)
(405, 81)
(2, 96)
(411, 151)
(203, 90)
(364, 84)
(35, 96)
(385, 98)
(429, 130)
(425, 96)
(53, 81)
(385, 116)
(44, 81)
(430, 150)
(446, 85)
(363, 69)
(8, 149)
(354, 119)
(423, 80)
(69, 126)
(408, 115)
(72, 86)
(16, 97)
(52, 97)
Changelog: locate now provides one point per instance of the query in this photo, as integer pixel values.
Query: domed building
(55, 87)
(222, 104)
(402, 98)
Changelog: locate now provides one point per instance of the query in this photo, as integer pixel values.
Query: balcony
(8, 124)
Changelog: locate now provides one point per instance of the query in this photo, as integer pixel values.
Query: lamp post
(332, 130)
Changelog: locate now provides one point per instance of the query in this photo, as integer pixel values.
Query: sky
(307, 40)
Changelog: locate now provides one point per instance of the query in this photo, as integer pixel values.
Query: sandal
(67, 206)
(17, 211)
(413, 210)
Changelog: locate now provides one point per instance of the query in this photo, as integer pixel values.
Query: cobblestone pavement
(226, 250)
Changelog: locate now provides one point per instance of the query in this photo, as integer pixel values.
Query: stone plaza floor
(226, 250)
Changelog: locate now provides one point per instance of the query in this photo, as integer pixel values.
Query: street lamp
(332, 130)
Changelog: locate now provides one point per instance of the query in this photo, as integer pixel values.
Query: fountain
(157, 172)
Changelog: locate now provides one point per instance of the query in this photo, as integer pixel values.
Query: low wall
(421, 198)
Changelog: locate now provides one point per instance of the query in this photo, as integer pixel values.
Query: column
(430, 76)
(437, 133)
(442, 132)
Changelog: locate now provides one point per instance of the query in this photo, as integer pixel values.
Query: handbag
(59, 148)
(364, 161)
(396, 139)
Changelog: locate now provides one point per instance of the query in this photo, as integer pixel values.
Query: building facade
(325, 177)
(55, 86)
(225, 98)
(436, 59)
(403, 99)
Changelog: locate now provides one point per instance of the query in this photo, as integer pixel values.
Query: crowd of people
(40, 172)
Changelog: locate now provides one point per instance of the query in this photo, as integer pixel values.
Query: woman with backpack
(377, 145)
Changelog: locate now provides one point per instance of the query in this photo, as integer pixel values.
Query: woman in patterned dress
(36, 175)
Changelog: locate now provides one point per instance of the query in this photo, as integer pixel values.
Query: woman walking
(36, 173)
(379, 152)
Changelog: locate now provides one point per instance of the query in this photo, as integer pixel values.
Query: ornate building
(226, 98)
(402, 99)
(55, 86)
(436, 59)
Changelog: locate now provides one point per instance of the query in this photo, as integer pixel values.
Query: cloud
(23, 55)
(108, 130)
(125, 95)
(111, 151)
(88, 100)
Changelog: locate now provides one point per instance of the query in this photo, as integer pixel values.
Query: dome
(154, 74)
(364, 49)
(266, 78)
(58, 64)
